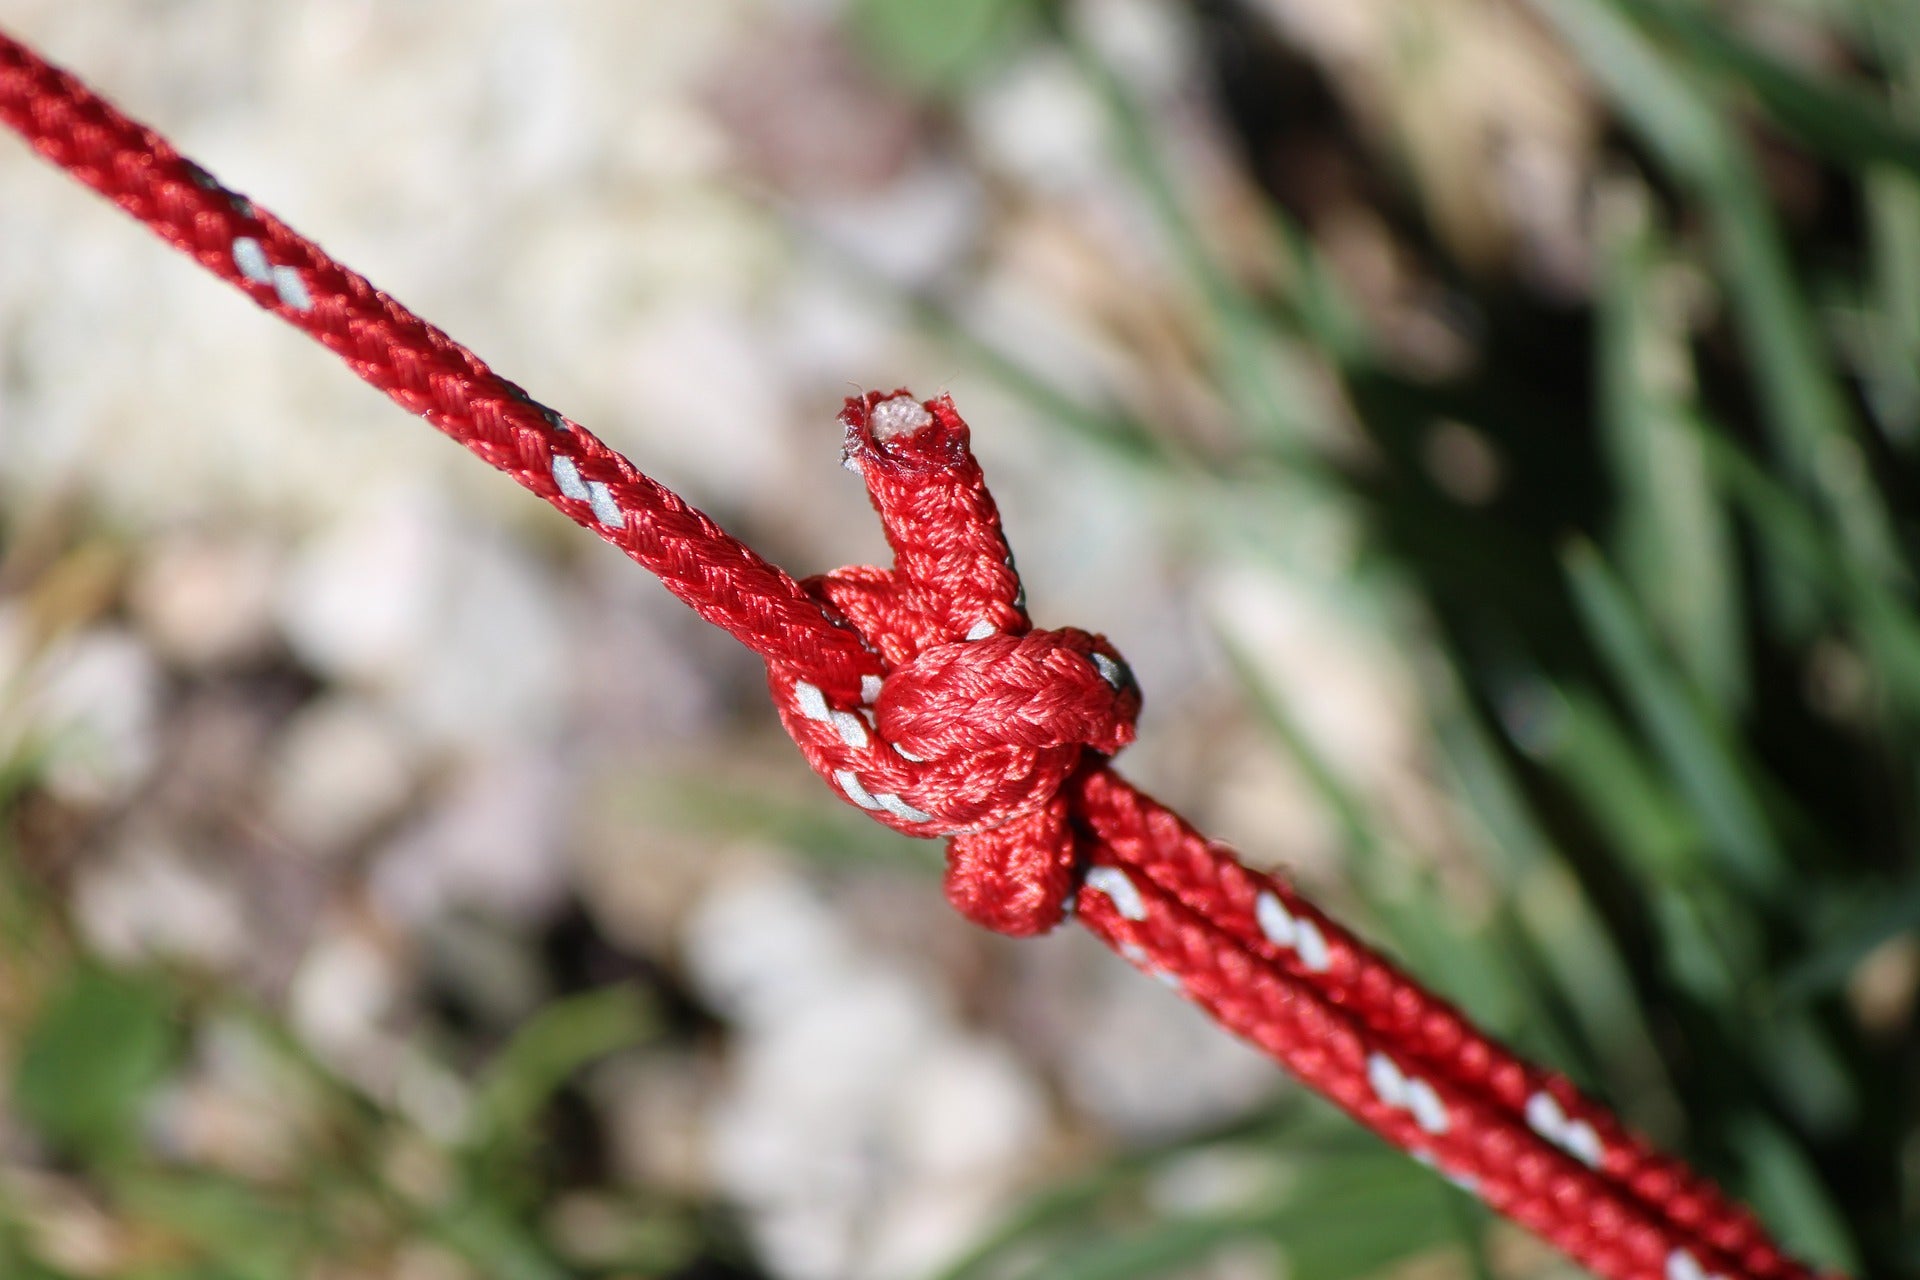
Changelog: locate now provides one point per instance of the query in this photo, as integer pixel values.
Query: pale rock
(1355, 698)
(460, 629)
(1258, 793)
(242, 1109)
(94, 702)
(64, 1226)
(544, 134)
(204, 601)
(681, 693)
(358, 599)
(345, 985)
(427, 1092)
(809, 1109)
(492, 667)
(1148, 46)
(911, 231)
(1218, 1180)
(656, 1105)
(967, 1121)
(697, 380)
(810, 1240)
(1042, 123)
(864, 1132)
(968, 1106)
(827, 327)
(928, 1224)
(758, 946)
(16, 641)
(491, 842)
(146, 902)
(804, 114)
(427, 1260)
(339, 771)
(1148, 1064)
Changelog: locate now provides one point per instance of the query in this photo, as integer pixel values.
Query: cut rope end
(897, 416)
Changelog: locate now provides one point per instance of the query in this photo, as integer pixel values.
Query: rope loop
(978, 719)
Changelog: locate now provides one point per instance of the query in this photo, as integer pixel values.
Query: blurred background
(1490, 428)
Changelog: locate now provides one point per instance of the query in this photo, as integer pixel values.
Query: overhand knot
(971, 722)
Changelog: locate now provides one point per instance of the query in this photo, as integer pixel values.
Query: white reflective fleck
(251, 260)
(812, 703)
(1312, 946)
(567, 476)
(852, 731)
(855, 792)
(605, 509)
(292, 289)
(1113, 882)
(900, 808)
(1428, 1111)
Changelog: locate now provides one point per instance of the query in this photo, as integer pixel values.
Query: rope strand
(922, 693)
(427, 373)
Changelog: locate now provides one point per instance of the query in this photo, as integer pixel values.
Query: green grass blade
(1782, 1185)
(1365, 839)
(495, 1245)
(1654, 835)
(1661, 105)
(1695, 750)
(1847, 936)
(1471, 963)
(546, 1052)
(1892, 359)
(1295, 1125)
(1257, 364)
(1320, 305)
(938, 45)
(1349, 1218)
(235, 1228)
(96, 1049)
(806, 819)
(1671, 535)
(1801, 401)
(1835, 121)
(1797, 539)
(1579, 960)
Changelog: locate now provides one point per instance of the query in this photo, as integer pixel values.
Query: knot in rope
(970, 722)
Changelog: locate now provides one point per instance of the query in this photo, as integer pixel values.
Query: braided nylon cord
(923, 694)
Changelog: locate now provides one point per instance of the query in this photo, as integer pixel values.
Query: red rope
(923, 694)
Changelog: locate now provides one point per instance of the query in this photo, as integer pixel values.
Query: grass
(1690, 851)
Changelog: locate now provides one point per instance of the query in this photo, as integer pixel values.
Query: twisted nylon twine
(923, 694)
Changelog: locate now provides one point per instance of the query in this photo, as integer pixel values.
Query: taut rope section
(923, 694)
